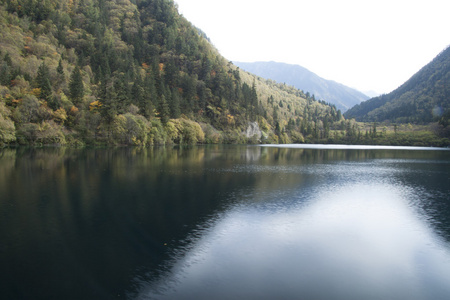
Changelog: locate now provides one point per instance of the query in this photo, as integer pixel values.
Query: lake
(225, 222)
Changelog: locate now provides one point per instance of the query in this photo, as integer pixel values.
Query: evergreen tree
(163, 110)
(149, 100)
(5, 74)
(7, 59)
(171, 73)
(60, 69)
(205, 72)
(137, 92)
(123, 94)
(43, 82)
(107, 97)
(254, 95)
(61, 78)
(76, 87)
(175, 104)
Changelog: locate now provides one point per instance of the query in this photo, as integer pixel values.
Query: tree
(175, 104)
(5, 74)
(149, 98)
(7, 128)
(29, 109)
(43, 82)
(60, 69)
(61, 78)
(137, 92)
(76, 86)
(123, 93)
(163, 110)
(445, 119)
(107, 95)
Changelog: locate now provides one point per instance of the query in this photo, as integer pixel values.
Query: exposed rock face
(252, 130)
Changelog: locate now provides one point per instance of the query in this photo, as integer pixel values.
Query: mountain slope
(338, 94)
(133, 72)
(424, 98)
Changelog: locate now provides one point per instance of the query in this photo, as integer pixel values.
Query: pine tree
(149, 99)
(123, 93)
(137, 92)
(374, 131)
(163, 110)
(107, 96)
(7, 59)
(175, 104)
(43, 82)
(5, 74)
(61, 77)
(60, 69)
(76, 87)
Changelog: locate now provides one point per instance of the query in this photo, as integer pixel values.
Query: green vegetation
(135, 72)
(357, 133)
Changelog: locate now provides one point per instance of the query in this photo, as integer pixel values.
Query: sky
(368, 45)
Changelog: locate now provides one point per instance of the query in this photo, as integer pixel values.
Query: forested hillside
(424, 98)
(343, 97)
(134, 72)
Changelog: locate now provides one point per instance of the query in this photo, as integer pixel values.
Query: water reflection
(340, 225)
(361, 241)
(245, 221)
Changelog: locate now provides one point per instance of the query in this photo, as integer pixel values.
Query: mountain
(338, 94)
(135, 72)
(424, 98)
(371, 94)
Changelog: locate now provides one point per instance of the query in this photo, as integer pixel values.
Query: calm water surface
(225, 222)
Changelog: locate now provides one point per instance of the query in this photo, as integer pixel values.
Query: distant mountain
(332, 92)
(371, 94)
(424, 98)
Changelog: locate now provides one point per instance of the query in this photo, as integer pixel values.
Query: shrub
(7, 128)
(187, 132)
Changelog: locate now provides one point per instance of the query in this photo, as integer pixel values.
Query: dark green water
(224, 222)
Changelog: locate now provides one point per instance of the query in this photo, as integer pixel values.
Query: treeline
(350, 132)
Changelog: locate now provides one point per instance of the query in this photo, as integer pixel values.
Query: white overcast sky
(368, 45)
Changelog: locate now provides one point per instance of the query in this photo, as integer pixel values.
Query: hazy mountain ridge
(424, 98)
(331, 91)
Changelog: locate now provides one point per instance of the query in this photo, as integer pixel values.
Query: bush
(187, 132)
(50, 133)
(7, 128)
(212, 135)
(131, 129)
(27, 133)
(158, 135)
(29, 109)
(234, 137)
(297, 137)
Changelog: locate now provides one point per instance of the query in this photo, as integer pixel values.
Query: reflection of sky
(361, 241)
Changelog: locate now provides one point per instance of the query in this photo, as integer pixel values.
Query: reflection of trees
(7, 159)
(133, 200)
